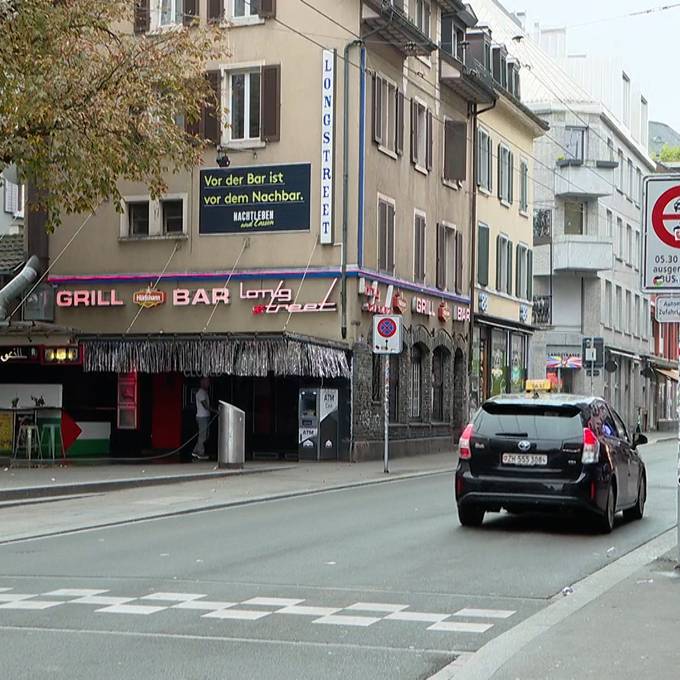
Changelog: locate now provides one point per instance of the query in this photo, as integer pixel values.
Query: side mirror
(639, 440)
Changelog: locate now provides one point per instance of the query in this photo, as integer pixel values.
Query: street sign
(667, 309)
(593, 352)
(661, 227)
(387, 334)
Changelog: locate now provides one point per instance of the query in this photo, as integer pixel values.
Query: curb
(236, 503)
(30, 492)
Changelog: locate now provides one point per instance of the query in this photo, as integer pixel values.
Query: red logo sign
(149, 298)
(661, 219)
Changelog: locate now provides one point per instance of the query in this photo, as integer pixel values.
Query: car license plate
(524, 459)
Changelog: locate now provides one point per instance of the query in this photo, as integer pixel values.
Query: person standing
(202, 419)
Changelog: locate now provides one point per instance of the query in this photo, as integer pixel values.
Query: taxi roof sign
(538, 386)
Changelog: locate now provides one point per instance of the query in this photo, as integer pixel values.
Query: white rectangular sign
(661, 227)
(327, 145)
(667, 309)
(387, 334)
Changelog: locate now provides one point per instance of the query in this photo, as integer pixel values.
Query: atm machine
(318, 424)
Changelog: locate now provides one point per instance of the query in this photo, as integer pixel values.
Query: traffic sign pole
(387, 414)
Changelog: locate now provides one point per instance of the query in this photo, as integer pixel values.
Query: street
(373, 582)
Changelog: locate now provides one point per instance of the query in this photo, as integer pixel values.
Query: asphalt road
(373, 582)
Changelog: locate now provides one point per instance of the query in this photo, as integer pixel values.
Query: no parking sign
(387, 334)
(661, 224)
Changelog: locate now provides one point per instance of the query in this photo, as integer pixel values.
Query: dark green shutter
(483, 255)
(530, 275)
(509, 247)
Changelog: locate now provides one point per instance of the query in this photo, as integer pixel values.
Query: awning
(623, 353)
(669, 373)
(239, 356)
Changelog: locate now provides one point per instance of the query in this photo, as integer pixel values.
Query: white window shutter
(11, 198)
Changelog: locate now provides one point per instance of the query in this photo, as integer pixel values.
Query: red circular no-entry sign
(660, 218)
(386, 328)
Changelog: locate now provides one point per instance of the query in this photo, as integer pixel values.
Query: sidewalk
(629, 632)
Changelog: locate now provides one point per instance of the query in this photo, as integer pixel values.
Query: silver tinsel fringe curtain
(209, 357)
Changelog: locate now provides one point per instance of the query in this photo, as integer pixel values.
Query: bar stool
(30, 441)
(49, 438)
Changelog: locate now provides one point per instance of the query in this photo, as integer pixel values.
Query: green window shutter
(483, 255)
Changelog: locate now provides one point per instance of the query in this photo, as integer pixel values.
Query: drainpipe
(18, 285)
(474, 113)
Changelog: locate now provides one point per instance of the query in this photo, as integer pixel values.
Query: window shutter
(416, 249)
(267, 9)
(211, 128)
(518, 283)
(500, 175)
(399, 141)
(377, 109)
(215, 11)
(441, 257)
(499, 245)
(489, 161)
(414, 132)
(480, 158)
(530, 275)
(429, 142)
(483, 255)
(390, 236)
(455, 151)
(271, 103)
(142, 16)
(511, 176)
(190, 12)
(382, 235)
(508, 245)
(459, 262)
(11, 197)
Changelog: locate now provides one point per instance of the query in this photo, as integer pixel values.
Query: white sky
(648, 44)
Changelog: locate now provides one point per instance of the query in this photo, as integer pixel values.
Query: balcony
(584, 181)
(583, 254)
(389, 20)
(470, 82)
(542, 313)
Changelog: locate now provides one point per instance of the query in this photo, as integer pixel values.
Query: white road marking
(377, 607)
(337, 620)
(145, 610)
(172, 597)
(102, 600)
(422, 617)
(239, 614)
(461, 627)
(75, 592)
(309, 611)
(204, 605)
(30, 604)
(272, 602)
(4, 590)
(14, 597)
(486, 613)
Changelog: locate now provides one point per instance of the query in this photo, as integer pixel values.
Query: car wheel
(470, 515)
(606, 525)
(638, 510)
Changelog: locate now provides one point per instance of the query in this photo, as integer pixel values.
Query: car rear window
(539, 421)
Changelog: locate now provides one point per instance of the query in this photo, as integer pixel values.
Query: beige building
(337, 184)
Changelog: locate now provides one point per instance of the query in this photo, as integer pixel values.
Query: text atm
(318, 424)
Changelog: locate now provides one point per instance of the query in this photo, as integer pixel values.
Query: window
(138, 216)
(455, 151)
(419, 224)
(423, 14)
(483, 255)
(608, 311)
(638, 186)
(574, 218)
(626, 100)
(449, 258)
(173, 216)
(610, 224)
(636, 318)
(388, 115)
(629, 244)
(377, 379)
(171, 12)
(644, 122)
(637, 254)
(484, 160)
(575, 143)
(610, 149)
(244, 8)
(503, 265)
(245, 105)
(631, 181)
(505, 173)
(629, 313)
(621, 172)
(416, 381)
(421, 136)
(386, 211)
(524, 187)
(644, 323)
(453, 37)
(619, 238)
(522, 273)
(618, 310)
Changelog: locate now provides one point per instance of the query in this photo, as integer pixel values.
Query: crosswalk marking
(74, 592)
(172, 597)
(29, 604)
(377, 607)
(422, 617)
(337, 620)
(461, 627)
(204, 605)
(272, 602)
(103, 600)
(485, 613)
(309, 611)
(131, 609)
(238, 614)
(14, 597)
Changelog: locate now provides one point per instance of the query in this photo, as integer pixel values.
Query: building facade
(337, 184)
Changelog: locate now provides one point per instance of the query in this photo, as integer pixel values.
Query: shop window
(416, 382)
(499, 362)
(138, 218)
(517, 363)
(173, 216)
(127, 407)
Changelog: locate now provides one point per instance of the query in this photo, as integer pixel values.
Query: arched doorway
(459, 382)
(440, 368)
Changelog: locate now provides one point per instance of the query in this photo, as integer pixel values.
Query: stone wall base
(401, 448)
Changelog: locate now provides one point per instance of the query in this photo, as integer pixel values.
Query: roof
(12, 254)
(546, 398)
(661, 134)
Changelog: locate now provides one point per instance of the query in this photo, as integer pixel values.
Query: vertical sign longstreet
(326, 236)
(661, 262)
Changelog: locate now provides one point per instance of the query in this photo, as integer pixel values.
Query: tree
(85, 103)
(669, 154)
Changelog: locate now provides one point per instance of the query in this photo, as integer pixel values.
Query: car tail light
(465, 453)
(591, 447)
